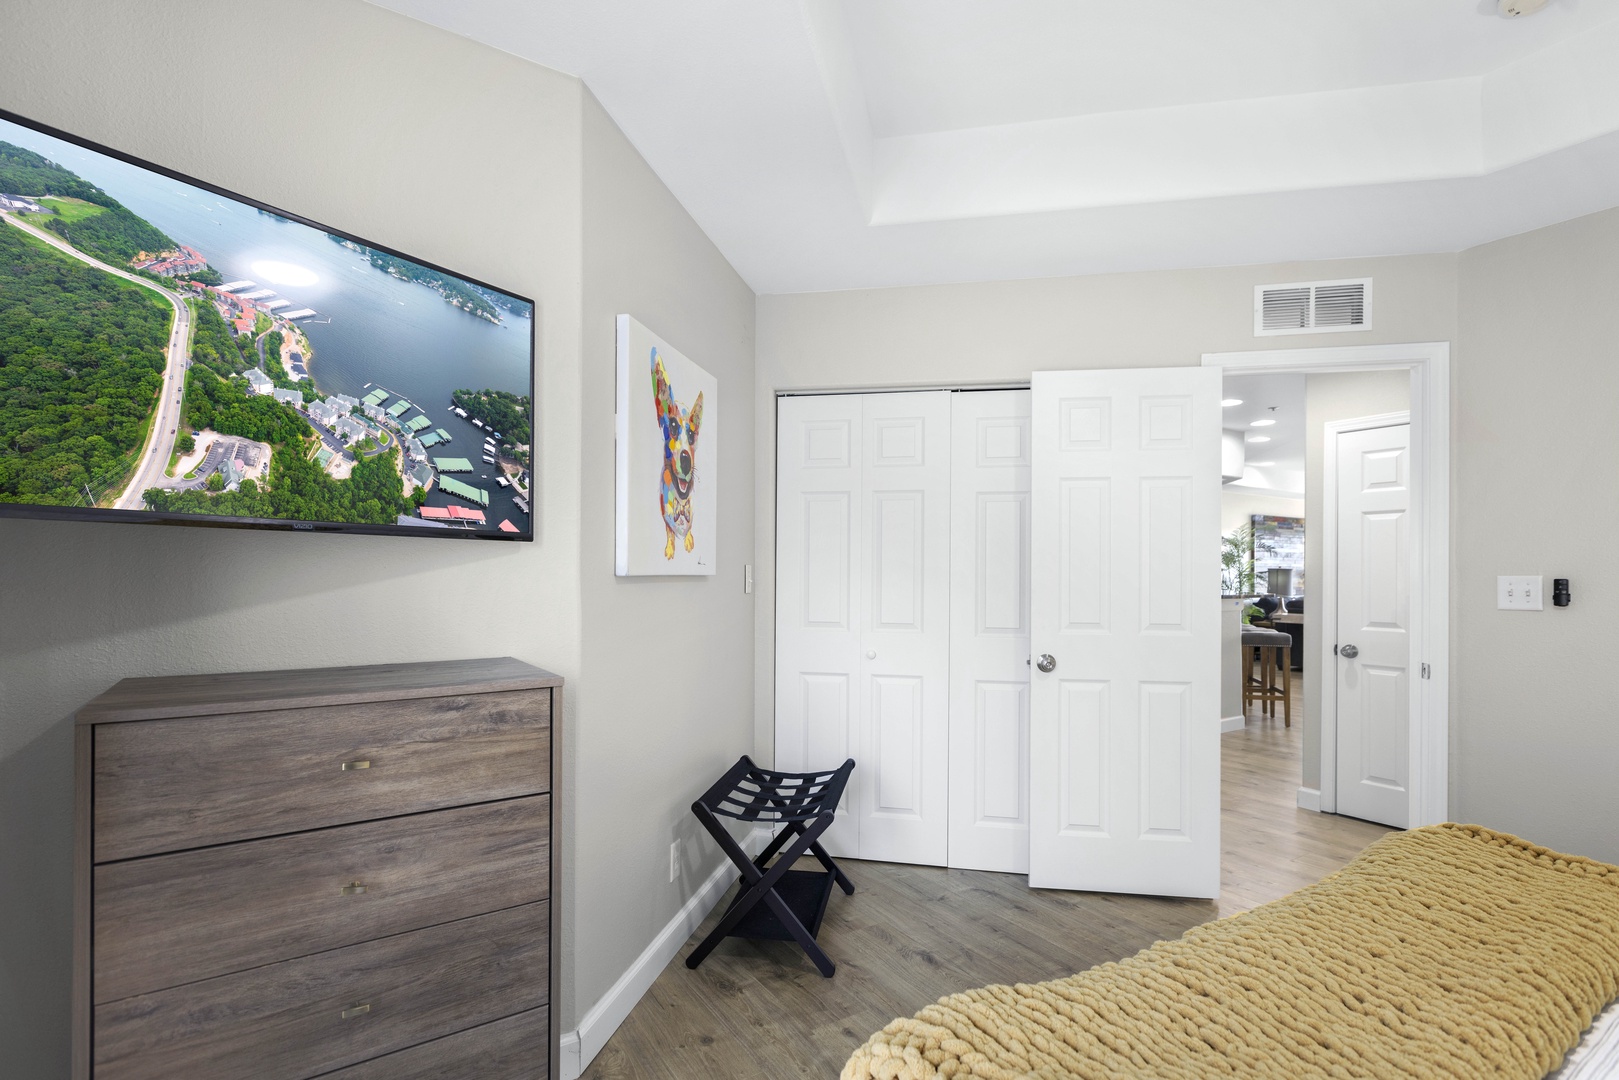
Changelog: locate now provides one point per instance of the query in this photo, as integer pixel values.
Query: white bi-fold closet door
(863, 612)
(991, 444)
(902, 629)
(925, 541)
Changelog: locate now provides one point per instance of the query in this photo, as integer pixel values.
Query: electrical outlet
(674, 860)
(1519, 593)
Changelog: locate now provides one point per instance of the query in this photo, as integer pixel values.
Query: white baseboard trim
(1310, 799)
(1232, 723)
(580, 1047)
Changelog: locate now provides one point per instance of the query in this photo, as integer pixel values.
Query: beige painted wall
(666, 698)
(384, 115)
(999, 332)
(1535, 740)
(1329, 397)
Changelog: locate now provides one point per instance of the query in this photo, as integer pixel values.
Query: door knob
(871, 654)
(1348, 652)
(1047, 662)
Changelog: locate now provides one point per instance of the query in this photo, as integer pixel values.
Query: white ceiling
(834, 144)
(929, 66)
(1276, 466)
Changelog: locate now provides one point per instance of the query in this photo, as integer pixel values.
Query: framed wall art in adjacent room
(1279, 544)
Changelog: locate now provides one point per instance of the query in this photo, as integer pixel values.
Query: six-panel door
(1374, 615)
(989, 631)
(1125, 727)
(863, 612)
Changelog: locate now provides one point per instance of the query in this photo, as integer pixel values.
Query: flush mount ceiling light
(1230, 401)
(1262, 423)
(1261, 464)
(1259, 438)
(1512, 9)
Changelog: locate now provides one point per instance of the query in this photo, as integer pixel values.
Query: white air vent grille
(1313, 307)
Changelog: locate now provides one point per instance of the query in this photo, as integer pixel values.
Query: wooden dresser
(339, 872)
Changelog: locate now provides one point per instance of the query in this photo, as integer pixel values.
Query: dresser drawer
(288, 1021)
(165, 785)
(515, 1048)
(176, 918)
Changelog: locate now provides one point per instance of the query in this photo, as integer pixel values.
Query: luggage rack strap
(750, 793)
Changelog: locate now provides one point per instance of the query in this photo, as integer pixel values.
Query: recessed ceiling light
(1259, 438)
(1261, 464)
(1230, 401)
(1262, 423)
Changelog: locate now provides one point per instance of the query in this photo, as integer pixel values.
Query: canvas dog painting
(668, 426)
(680, 428)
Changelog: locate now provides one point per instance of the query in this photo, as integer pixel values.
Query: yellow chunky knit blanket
(1447, 951)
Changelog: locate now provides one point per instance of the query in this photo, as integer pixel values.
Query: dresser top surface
(260, 691)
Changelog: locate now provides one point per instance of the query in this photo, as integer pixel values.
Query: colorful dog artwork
(679, 427)
(667, 469)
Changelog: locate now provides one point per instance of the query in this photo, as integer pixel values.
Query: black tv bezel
(38, 511)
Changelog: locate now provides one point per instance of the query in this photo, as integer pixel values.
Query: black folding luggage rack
(794, 901)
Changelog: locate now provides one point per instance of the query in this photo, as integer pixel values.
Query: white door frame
(1429, 365)
(1327, 648)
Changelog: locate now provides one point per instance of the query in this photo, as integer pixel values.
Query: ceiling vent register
(1313, 307)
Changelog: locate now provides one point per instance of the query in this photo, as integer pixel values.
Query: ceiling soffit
(1470, 126)
(1381, 127)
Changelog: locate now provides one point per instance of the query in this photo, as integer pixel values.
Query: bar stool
(1266, 688)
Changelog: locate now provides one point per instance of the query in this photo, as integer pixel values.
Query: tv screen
(171, 352)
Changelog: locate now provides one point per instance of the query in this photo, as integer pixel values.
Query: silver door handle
(1046, 663)
(1348, 652)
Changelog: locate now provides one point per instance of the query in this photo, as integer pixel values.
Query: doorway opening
(1346, 403)
(1286, 517)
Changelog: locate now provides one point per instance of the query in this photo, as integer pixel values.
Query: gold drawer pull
(356, 1010)
(350, 766)
(353, 890)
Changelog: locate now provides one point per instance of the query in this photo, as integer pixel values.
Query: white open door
(989, 631)
(1373, 525)
(1125, 567)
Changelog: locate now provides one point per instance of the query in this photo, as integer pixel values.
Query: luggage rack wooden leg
(815, 849)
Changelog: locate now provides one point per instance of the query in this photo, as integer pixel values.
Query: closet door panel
(819, 587)
(903, 618)
(989, 631)
(902, 780)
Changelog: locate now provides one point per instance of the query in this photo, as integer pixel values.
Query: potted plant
(1237, 563)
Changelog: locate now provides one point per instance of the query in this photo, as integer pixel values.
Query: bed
(1597, 1055)
(1447, 951)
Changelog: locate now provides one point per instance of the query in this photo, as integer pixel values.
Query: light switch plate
(1521, 593)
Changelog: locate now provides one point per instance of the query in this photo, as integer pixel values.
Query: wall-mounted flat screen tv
(172, 352)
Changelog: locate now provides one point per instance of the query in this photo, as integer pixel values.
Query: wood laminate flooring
(911, 934)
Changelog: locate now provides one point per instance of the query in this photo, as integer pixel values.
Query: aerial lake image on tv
(165, 348)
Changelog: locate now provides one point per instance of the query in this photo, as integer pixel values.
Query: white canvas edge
(621, 450)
